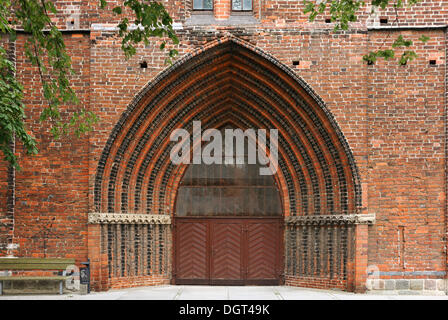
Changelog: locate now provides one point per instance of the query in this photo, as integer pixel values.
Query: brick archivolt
(228, 81)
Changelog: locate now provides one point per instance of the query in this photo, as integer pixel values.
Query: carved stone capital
(128, 218)
(334, 219)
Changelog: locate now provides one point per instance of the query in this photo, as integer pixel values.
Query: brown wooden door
(228, 251)
(227, 222)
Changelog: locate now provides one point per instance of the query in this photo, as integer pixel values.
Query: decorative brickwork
(331, 219)
(123, 218)
(319, 252)
(321, 160)
(365, 140)
(134, 250)
(313, 179)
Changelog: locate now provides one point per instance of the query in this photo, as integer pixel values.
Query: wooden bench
(24, 264)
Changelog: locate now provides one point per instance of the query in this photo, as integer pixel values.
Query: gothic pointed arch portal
(230, 81)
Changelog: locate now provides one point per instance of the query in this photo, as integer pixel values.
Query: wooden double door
(228, 251)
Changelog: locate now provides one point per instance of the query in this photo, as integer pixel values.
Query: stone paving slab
(170, 292)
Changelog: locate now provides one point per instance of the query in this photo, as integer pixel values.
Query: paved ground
(221, 293)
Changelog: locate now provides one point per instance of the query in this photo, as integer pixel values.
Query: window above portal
(210, 5)
(203, 5)
(241, 5)
(223, 12)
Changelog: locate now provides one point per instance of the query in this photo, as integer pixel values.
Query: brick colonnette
(327, 251)
(127, 250)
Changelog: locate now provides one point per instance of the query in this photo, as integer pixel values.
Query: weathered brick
(392, 118)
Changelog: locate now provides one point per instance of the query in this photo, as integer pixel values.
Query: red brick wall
(5, 221)
(392, 117)
(272, 12)
(129, 282)
(54, 183)
(6, 179)
(407, 158)
(222, 9)
(394, 162)
(423, 13)
(316, 282)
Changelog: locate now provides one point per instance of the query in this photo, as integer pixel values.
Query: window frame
(203, 10)
(242, 10)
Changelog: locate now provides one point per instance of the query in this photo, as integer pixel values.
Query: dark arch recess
(236, 119)
(318, 169)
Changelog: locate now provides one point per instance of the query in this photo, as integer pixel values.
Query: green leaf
(12, 35)
(407, 56)
(424, 39)
(103, 4)
(401, 42)
(117, 10)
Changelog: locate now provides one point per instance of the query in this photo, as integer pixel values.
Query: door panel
(192, 250)
(262, 250)
(226, 251)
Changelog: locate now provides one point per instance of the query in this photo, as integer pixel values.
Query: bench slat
(58, 266)
(36, 260)
(35, 263)
(20, 278)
